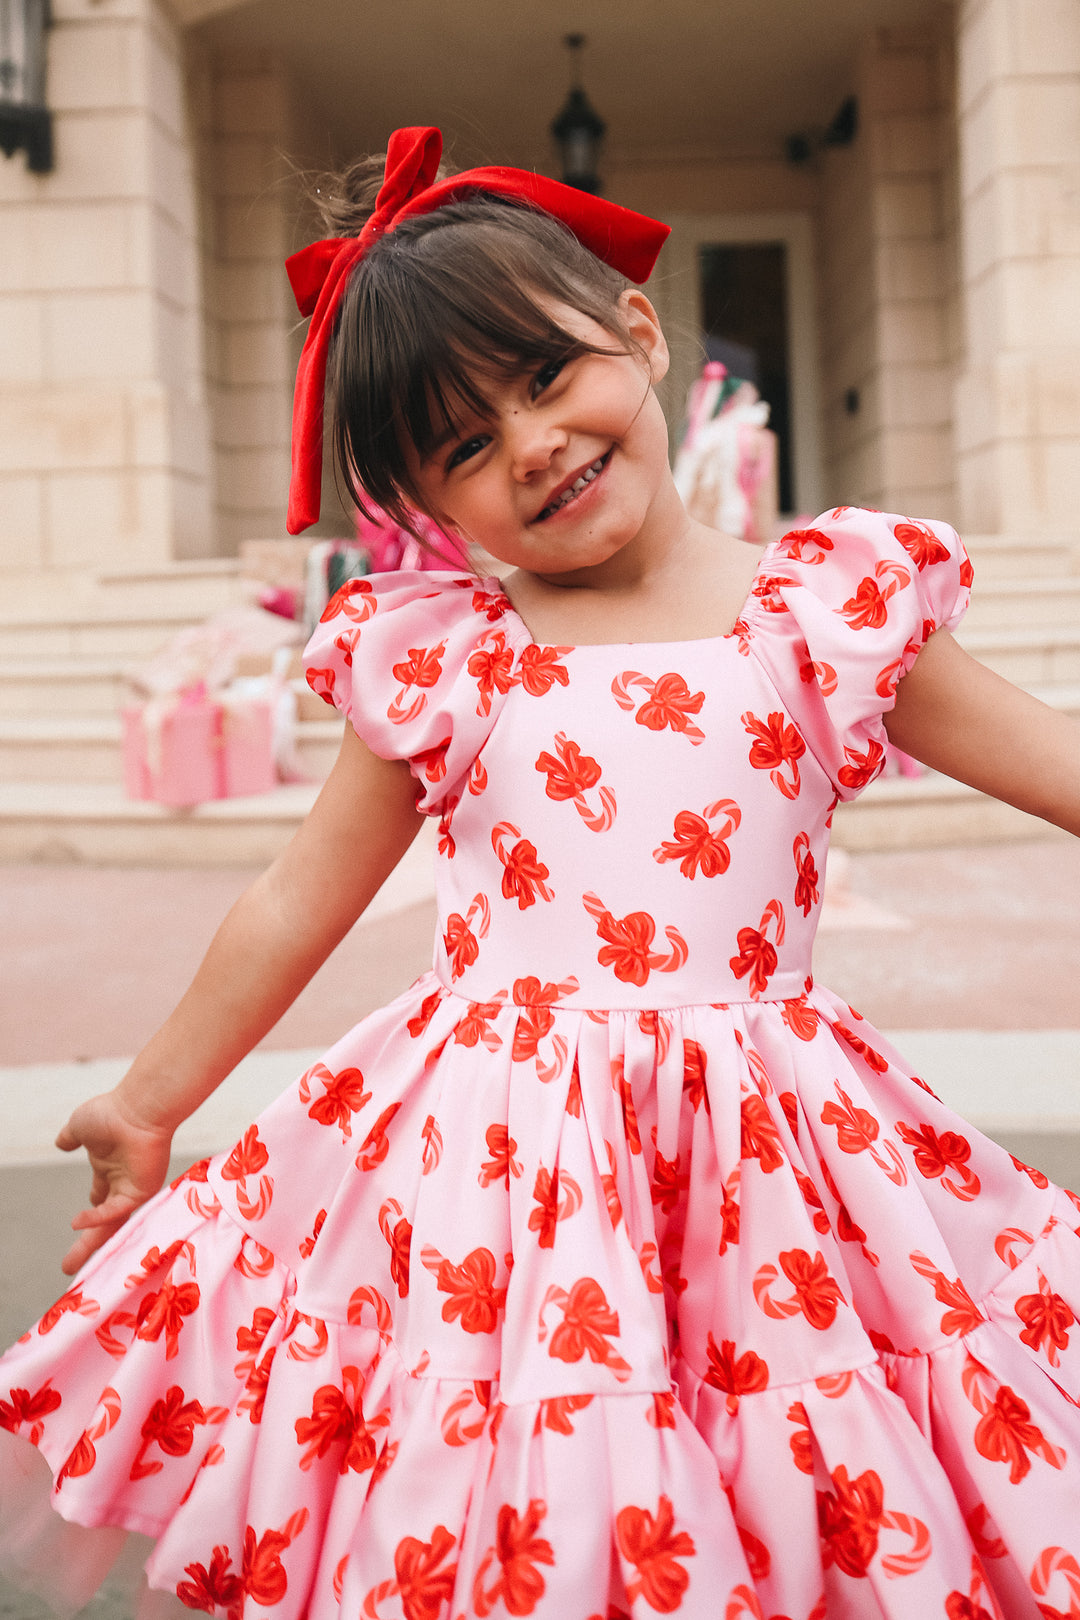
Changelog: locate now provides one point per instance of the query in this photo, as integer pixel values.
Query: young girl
(615, 1269)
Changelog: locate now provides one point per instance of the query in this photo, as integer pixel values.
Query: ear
(643, 325)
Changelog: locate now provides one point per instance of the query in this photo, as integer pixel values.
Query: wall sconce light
(25, 121)
(801, 147)
(579, 129)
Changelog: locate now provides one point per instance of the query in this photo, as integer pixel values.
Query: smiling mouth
(581, 483)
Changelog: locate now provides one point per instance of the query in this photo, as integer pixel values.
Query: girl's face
(571, 466)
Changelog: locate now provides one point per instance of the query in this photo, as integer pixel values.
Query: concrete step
(61, 686)
(93, 821)
(1028, 657)
(1026, 603)
(930, 812)
(180, 589)
(86, 748)
(99, 639)
(77, 748)
(1003, 556)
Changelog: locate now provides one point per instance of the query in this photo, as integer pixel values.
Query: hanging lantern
(579, 129)
(25, 121)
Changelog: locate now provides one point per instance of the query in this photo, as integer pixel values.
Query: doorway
(744, 322)
(748, 280)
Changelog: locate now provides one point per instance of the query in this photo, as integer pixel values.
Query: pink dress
(615, 1269)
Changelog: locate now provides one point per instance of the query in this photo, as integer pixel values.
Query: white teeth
(576, 487)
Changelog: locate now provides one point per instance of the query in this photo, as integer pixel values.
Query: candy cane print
(298, 1351)
(774, 912)
(1056, 1561)
(253, 1261)
(833, 1385)
(153, 1258)
(212, 1456)
(906, 1563)
(368, 1296)
(756, 1064)
(597, 820)
(743, 1603)
(466, 1415)
(523, 870)
(895, 1168)
(821, 672)
(670, 701)
(431, 1136)
(985, 1538)
(356, 600)
(400, 713)
(570, 758)
(973, 1378)
(550, 1071)
(621, 683)
(979, 1594)
(482, 910)
(647, 1255)
(106, 1336)
(776, 1308)
(204, 1208)
(83, 1454)
(253, 1209)
(885, 685)
(1008, 1241)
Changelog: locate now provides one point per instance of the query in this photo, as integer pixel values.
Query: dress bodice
(641, 825)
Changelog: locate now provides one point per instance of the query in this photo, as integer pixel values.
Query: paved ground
(971, 957)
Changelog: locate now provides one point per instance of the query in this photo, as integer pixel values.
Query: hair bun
(345, 200)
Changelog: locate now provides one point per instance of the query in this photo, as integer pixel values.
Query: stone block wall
(103, 422)
(887, 283)
(1018, 395)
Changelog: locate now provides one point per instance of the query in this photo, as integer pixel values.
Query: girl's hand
(130, 1161)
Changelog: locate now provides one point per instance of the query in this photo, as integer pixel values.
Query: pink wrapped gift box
(186, 749)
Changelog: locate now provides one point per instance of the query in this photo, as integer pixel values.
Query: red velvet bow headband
(627, 241)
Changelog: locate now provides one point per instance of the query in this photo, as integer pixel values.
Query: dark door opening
(744, 310)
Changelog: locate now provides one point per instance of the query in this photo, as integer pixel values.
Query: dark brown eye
(548, 373)
(466, 450)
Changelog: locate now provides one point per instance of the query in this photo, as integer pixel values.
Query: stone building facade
(148, 341)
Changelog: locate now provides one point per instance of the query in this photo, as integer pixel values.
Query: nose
(533, 439)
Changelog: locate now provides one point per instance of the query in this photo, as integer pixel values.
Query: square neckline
(744, 610)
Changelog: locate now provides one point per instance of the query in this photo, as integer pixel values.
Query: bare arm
(271, 943)
(957, 716)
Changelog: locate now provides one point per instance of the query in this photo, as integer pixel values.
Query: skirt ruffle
(767, 1353)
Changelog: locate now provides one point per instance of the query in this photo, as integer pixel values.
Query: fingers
(112, 1211)
(96, 1226)
(84, 1247)
(66, 1140)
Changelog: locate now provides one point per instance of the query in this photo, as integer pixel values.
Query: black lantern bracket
(25, 120)
(579, 129)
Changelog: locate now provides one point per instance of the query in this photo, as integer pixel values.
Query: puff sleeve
(839, 612)
(420, 664)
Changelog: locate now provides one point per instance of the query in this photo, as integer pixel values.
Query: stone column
(1018, 395)
(103, 425)
(886, 282)
(250, 200)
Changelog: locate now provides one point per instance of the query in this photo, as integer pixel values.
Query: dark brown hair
(440, 307)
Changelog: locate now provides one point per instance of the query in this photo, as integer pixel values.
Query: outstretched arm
(957, 716)
(271, 943)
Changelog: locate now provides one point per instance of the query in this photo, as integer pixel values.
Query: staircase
(61, 682)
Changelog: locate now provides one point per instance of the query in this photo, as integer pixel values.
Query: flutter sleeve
(840, 612)
(420, 664)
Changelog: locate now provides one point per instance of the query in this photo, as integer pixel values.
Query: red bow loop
(307, 270)
(412, 162)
